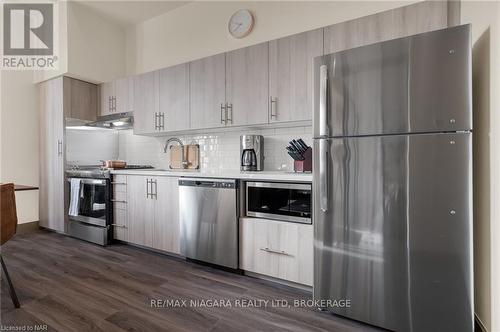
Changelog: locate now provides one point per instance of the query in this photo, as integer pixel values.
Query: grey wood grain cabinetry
(247, 85)
(140, 211)
(124, 95)
(80, 99)
(117, 96)
(400, 22)
(146, 103)
(166, 229)
(153, 212)
(106, 101)
(52, 155)
(174, 98)
(291, 75)
(207, 79)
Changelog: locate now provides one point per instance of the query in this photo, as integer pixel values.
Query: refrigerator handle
(323, 174)
(323, 111)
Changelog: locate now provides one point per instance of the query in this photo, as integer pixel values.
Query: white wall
(199, 29)
(19, 152)
(96, 47)
(485, 19)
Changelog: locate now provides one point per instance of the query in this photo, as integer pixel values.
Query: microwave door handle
(323, 174)
(323, 107)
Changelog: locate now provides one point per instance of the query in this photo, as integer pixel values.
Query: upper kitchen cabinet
(117, 96)
(124, 95)
(396, 23)
(80, 100)
(147, 119)
(247, 86)
(207, 92)
(106, 98)
(291, 76)
(174, 98)
(54, 95)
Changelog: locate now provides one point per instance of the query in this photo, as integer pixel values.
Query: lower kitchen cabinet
(278, 249)
(166, 227)
(153, 212)
(120, 220)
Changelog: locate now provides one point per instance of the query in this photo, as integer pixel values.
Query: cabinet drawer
(120, 227)
(119, 183)
(277, 249)
(120, 200)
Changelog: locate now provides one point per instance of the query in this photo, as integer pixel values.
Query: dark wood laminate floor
(69, 285)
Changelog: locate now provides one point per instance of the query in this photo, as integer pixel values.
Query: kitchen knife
(296, 146)
(302, 144)
(296, 156)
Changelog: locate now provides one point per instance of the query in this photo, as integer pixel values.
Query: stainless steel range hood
(114, 121)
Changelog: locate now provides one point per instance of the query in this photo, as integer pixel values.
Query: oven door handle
(91, 181)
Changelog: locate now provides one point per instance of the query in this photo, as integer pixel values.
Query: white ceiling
(125, 13)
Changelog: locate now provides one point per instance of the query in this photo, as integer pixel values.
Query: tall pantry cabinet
(56, 105)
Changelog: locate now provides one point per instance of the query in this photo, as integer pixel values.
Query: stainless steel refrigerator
(393, 182)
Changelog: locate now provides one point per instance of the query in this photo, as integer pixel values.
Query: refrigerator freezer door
(417, 84)
(395, 239)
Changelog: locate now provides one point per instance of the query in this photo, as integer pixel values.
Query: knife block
(302, 166)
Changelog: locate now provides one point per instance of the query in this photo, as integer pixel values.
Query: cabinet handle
(273, 251)
(229, 113)
(119, 226)
(222, 114)
(109, 104)
(118, 201)
(156, 120)
(147, 188)
(59, 147)
(114, 103)
(124, 183)
(274, 102)
(156, 188)
(162, 121)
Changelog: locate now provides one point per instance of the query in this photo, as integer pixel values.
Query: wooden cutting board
(192, 153)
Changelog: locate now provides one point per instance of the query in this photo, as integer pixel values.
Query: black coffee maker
(252, 152)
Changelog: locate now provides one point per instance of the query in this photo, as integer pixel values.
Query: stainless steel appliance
(279, 201)
(252, 152)
(92, 217)
(209, 220)
(114, 121)
(392, 182)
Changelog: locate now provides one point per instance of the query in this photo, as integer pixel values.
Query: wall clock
(241, 23)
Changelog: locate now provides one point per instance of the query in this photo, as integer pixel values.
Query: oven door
(279, 201)
(93, 202)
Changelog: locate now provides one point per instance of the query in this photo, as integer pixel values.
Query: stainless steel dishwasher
(209, 220)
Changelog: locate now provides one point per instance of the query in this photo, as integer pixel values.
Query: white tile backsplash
(88, 147)
(218, 151)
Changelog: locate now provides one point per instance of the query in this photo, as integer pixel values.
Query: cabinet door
(174, 98)
(124, 90)
(166, 221)
(291, 75)
(52, 184)
(278, 249)
(140, 205)
(146, 103)
(421, 17)
(207, 91)
(81, 99)
(247, 83)
(106, 93)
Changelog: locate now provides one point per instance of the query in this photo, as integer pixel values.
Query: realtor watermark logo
(28, 36)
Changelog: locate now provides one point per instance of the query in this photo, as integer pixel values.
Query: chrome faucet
(175, 139)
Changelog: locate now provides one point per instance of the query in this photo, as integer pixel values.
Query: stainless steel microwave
(279, 201)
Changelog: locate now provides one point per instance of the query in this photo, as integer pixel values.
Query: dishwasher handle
(208, 183)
